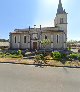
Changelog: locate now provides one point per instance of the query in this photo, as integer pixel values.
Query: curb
(41, 65)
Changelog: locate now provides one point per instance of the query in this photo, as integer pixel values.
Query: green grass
(10, 56)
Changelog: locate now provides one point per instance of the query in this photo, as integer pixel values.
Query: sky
(20, 14)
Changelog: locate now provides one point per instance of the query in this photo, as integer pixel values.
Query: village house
(30, 38)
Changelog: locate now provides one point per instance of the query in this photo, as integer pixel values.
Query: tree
(4, 40)
(44, 43)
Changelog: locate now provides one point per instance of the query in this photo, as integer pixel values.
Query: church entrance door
(34, 45)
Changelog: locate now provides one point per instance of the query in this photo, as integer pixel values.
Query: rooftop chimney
(40, 27)
(34, 26)
(29, 28)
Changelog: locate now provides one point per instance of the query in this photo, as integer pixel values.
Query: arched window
(15, 39)
(45, 37)
(57, 38)
(24, 39)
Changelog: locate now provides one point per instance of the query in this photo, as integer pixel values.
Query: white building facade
(31, 38)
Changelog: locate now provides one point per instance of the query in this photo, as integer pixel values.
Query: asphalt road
(22, 78)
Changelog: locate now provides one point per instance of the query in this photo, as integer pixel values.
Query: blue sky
(23, 13)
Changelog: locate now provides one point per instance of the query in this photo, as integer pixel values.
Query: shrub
(73, 56)
(13, 52)
(19, 52)
(63, 55)
(2, 48)
(69, 48)
(20, 56)
(48, 57)
(56, 55)
(63, 58)
(7, 53)
(41, 56)
(38, 57)
(16, 56)
(78, 57)
(1, 53)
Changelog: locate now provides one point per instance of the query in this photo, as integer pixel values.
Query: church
(30, 38)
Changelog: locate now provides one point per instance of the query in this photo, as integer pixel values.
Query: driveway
(23, 78)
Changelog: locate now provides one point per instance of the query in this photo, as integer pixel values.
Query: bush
(42, 56)
(20, 56)
(7, 53)
(48, 57)
(73, 56)
(1, 53)
(78, 57)
(63, 55)
(63, 58)
(16, 56)
(2, 48)
(69, 48)
(38, 57)
(19, 52)
(56, 55)
(13, 52)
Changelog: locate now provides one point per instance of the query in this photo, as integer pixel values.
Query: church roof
(27, 29)
(60, 8)
(44, 29)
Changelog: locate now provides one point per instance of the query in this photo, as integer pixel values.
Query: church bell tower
(60, 20)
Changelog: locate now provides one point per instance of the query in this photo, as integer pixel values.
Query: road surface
(23, 78)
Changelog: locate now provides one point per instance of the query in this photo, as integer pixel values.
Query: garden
(59, 59)
(10, 56)
(55, 58)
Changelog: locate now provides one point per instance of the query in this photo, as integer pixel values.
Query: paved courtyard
(23, 78)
